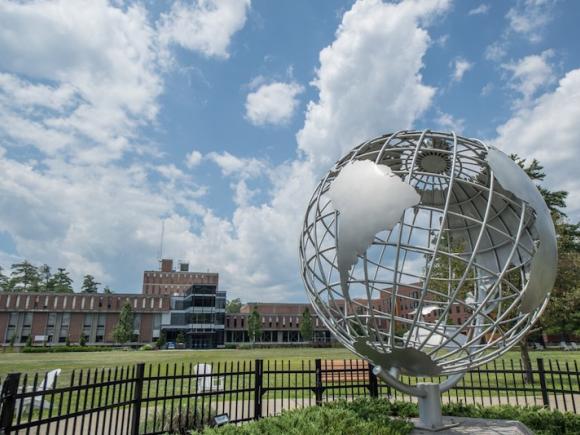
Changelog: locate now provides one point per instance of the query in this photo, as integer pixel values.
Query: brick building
(53, 317)
(280, 323)
(178, 302)
(168, 281)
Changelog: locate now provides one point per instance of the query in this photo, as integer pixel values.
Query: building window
(12, 322)
(88, 325)
(100, 337)
(64, 327)
(26, 327)
(136, 326)
(50, 324)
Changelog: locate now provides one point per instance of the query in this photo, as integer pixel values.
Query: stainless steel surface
(481, 240)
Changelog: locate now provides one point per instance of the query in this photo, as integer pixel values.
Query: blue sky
(217, 118)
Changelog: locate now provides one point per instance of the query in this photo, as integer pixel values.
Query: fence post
(542, 373)
(8, 402)
(258, 378)
(373, 383)
(318, 390)
(137, 396)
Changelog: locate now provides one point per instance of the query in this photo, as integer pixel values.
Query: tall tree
(123, 331)
(562, 315)
(107, 290)
(3, 281)
(233, 306)
(89, 284)
(556, 202)
(306, 325)
(46, 282)
(62, 282)
(254, 325)
(25, 277)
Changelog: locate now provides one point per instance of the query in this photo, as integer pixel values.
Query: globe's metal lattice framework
(472, 242)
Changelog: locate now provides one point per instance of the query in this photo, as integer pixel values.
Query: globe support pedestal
(428, 394)
(430, 417)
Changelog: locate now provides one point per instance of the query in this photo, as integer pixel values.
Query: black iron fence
(155, 399)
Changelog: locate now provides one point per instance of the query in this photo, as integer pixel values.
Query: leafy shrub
(172, 421)
(332, 419)
(55, 349)
(539, 420)
(376, 416)
(147, 347)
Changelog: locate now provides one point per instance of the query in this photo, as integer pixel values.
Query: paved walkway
(478, 426)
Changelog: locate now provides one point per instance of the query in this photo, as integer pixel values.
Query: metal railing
(154, 399)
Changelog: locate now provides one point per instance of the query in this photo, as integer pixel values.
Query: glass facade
(197, 318)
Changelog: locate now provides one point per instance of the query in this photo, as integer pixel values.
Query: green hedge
(380, 416)
(51, 349)
(365, 417)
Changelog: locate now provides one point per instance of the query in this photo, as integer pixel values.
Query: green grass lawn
(40, 362)
(178, 362)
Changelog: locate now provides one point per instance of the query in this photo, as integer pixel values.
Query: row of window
(276, 337)
(181, 319)
(58, 325)
(271, 321)
(86, 302)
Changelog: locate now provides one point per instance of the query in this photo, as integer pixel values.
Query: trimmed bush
(378, 416)
(176, 421)
(332, 419)
(539, 420)
(55, 349)
(147, 347)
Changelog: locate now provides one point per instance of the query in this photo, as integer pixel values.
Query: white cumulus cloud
(530, 17)
(206, 26)
(460, 67)
(547, 129)
(368, 85)
(482, 9)
(273, 103)
(531, 74)
(193, 158)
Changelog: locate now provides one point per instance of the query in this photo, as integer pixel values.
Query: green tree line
(26, 277)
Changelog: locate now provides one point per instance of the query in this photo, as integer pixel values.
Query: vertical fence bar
(137, 396)
(258, 372)
(318, 387)
(542, 374)
(8, 401)
(373, 383)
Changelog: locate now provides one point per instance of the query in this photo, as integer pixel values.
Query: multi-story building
(168, 281)
(172, 301)
(182, 304)
(51, 318)
(280, 323)
(198, 314)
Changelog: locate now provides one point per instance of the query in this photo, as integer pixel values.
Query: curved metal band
(394, 382)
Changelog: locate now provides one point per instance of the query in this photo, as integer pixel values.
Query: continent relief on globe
(369, 199)
(545, 261)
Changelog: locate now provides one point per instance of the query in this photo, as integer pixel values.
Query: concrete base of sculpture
(479, 426)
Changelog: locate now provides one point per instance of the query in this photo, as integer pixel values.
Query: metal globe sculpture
(427, 254)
